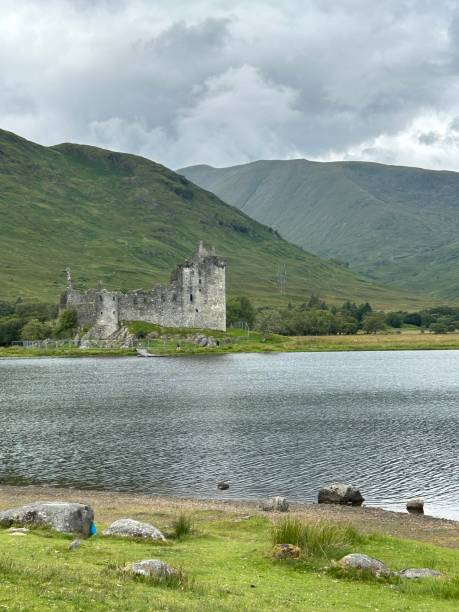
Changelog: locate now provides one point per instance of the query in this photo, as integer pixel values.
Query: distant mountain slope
(129, 221)
(393, 224)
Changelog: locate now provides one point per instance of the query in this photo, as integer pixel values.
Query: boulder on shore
(223, 485)
(129, 528)
(276, 504)
(416, 505)
(152, 567)
(415, 573)
(360, 561)
(339, 493)
(67, 517)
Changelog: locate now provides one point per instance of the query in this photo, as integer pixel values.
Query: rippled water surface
(270, 424)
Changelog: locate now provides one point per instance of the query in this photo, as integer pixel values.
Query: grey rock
(75, 544)
(276, 504)
(129, 528)
(152, 567)
(364, 562)
(223, 485)
(67, 517)
(339, 493)
(204, 341)
(16, 530)
(415, 505)
(414, 573)
(108, 337)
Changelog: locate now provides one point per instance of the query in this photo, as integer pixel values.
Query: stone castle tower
(194, 297)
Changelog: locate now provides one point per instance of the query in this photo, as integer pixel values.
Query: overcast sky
(225, 82)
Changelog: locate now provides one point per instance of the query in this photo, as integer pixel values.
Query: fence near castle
(64, 342)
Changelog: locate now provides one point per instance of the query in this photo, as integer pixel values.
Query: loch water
(271, 424)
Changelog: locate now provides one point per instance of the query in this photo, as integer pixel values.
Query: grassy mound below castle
(226, 560)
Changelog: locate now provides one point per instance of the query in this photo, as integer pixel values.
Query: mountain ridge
(393, 224)
(129, 221)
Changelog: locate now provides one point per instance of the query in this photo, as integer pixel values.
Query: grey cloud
(185, 83)
(182, 42)
(429, 138)
(13, 101)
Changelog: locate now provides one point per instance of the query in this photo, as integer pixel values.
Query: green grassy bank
(233, 342)
(227, 564)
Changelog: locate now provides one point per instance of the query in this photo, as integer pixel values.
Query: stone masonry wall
(195, 297)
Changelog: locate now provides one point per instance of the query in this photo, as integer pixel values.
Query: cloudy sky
(219, 82)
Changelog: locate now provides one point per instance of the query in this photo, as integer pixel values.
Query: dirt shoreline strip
(110, 505)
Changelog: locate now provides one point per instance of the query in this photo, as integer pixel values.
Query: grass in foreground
(227, 564)
(318, 539)
(183, 526)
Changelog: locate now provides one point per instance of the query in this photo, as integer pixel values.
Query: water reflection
(271, 424)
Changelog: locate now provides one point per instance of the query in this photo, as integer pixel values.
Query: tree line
(316, 318)
(37, 321)
(34, 321)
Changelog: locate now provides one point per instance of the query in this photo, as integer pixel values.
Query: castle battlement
(195, 297)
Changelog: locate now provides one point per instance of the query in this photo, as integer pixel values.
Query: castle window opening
(113, 298)
(100, 298)
(191, 297)
(114, 312)
(197, 310)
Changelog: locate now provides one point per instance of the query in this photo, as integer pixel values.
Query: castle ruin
(194, 297)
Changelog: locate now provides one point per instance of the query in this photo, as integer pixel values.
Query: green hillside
(392, 224)
(128, 221)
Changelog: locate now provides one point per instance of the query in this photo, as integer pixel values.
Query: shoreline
(111, 505)
(115, 354)
(223, 556)
(253, 344)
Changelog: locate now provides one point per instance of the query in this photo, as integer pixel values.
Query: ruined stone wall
(84, 303)
(195, 297)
